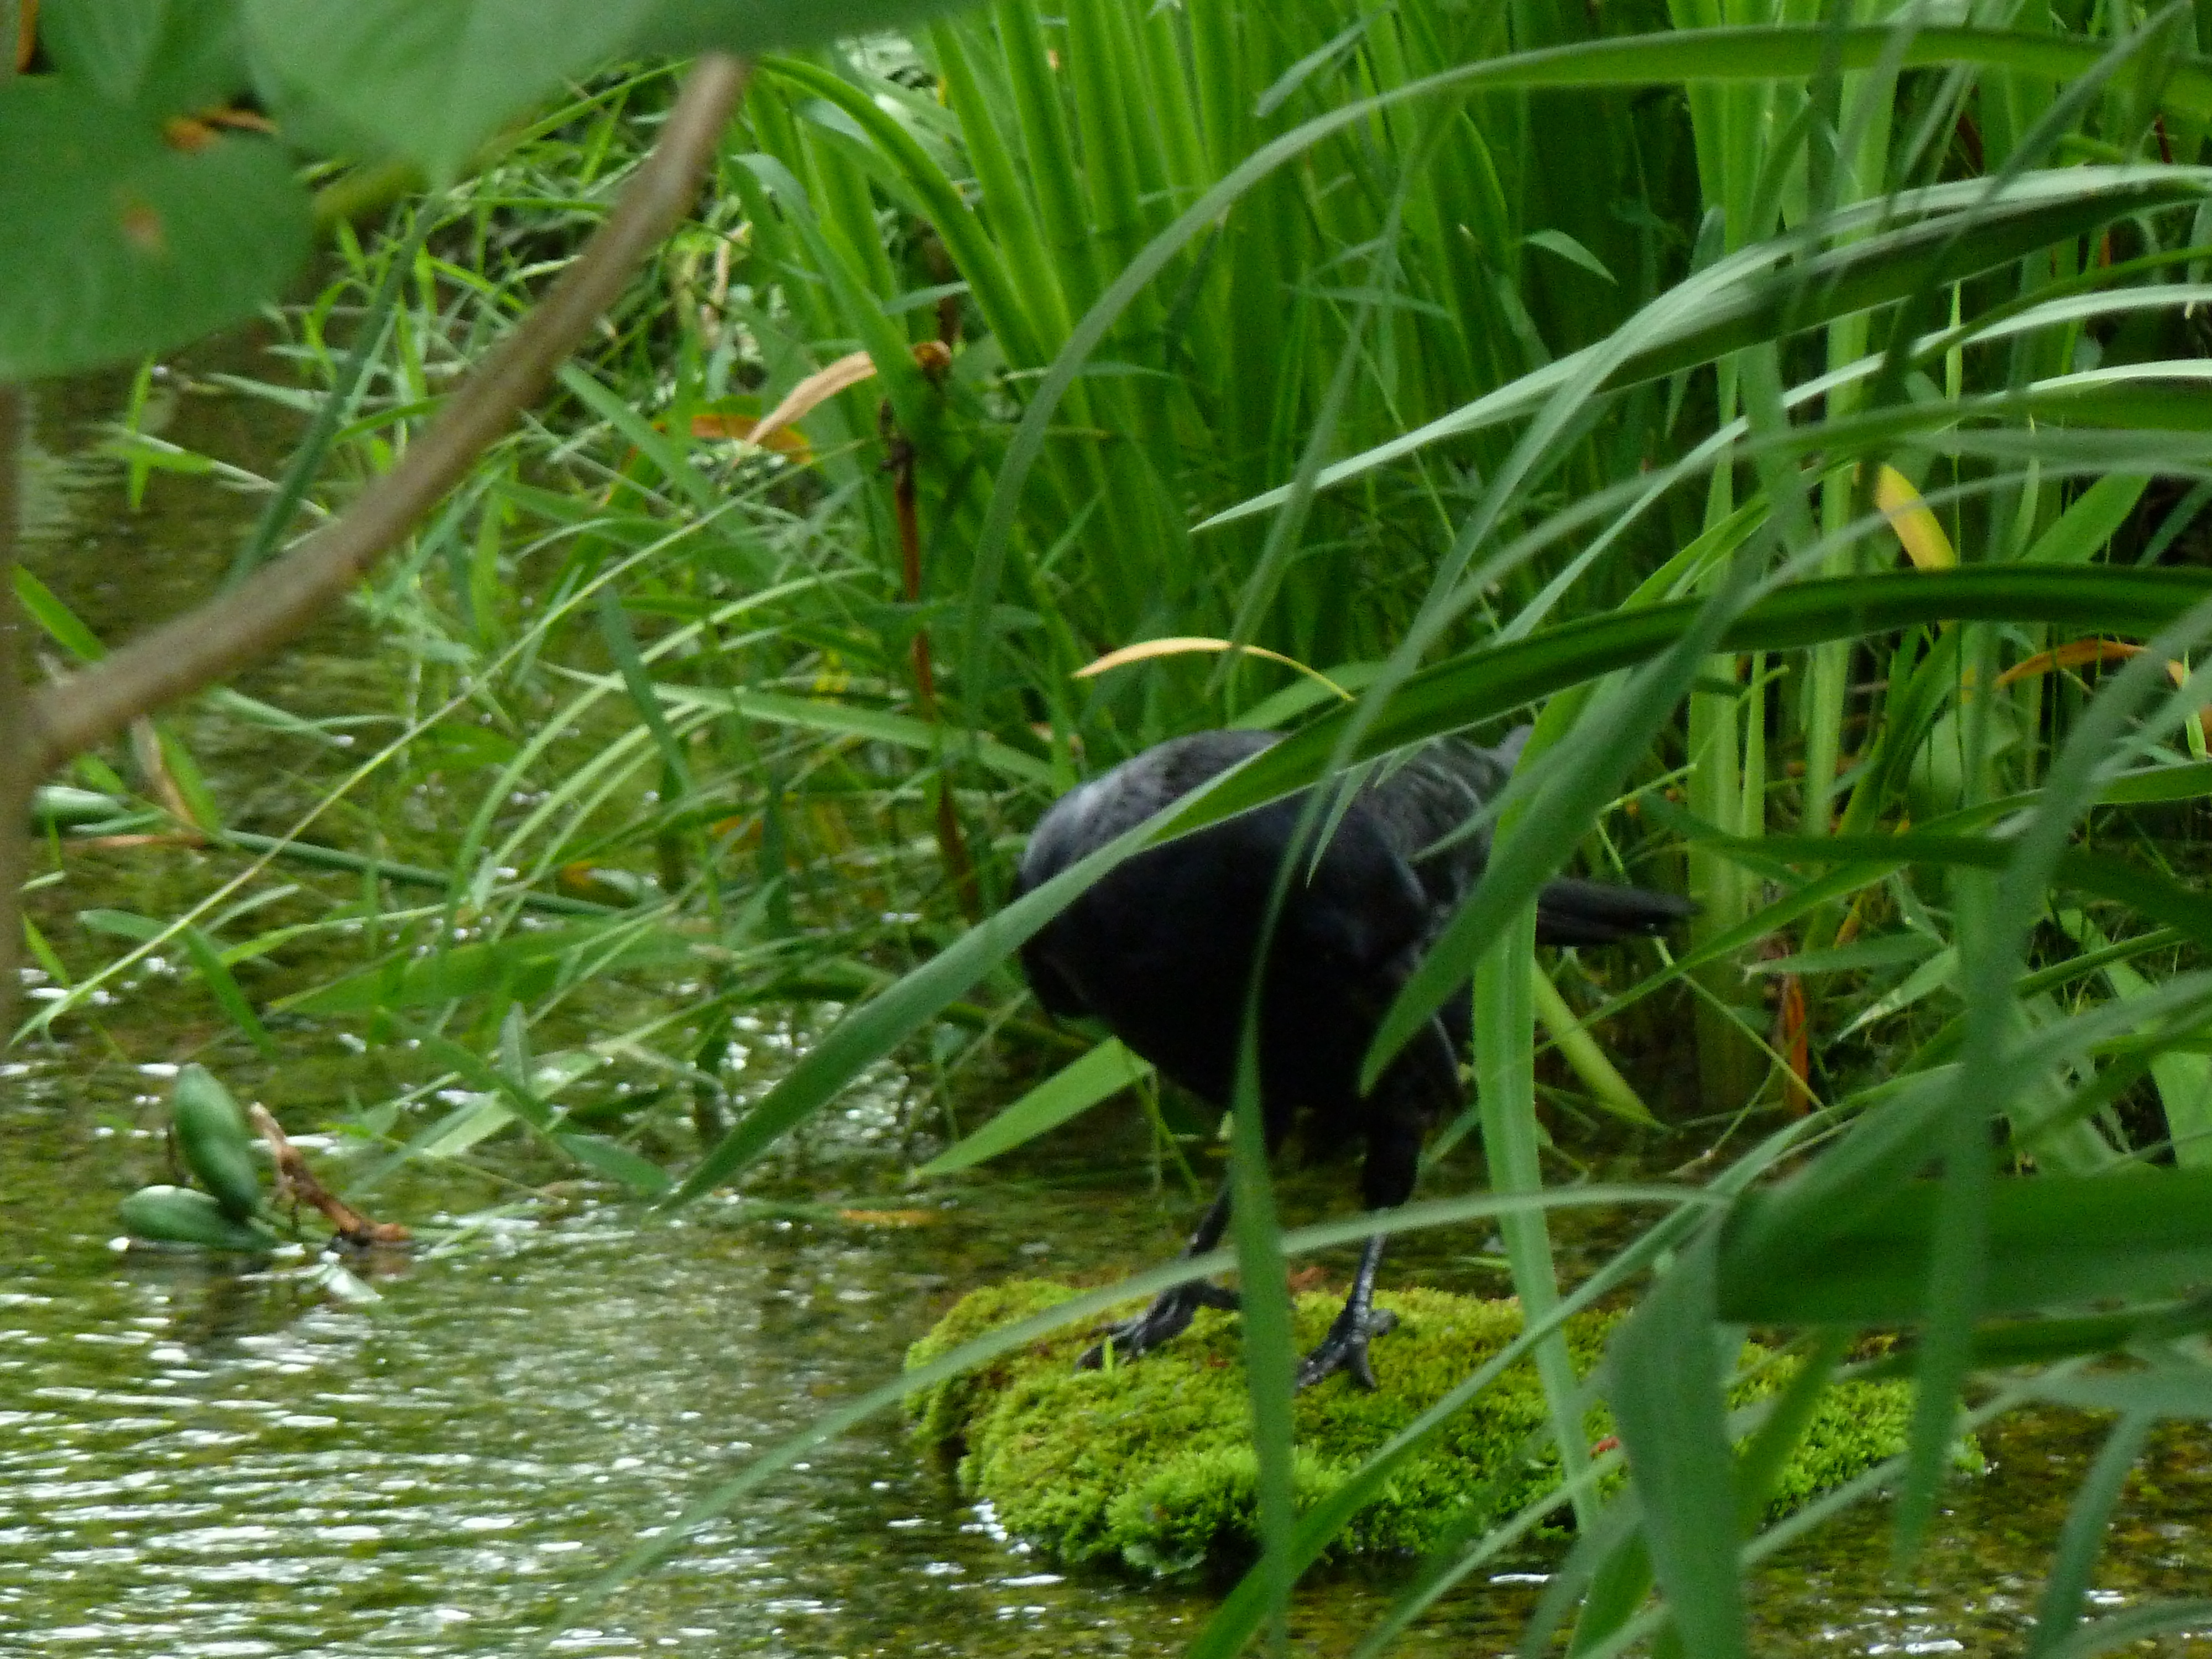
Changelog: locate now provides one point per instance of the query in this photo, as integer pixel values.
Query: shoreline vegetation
(1799, 419)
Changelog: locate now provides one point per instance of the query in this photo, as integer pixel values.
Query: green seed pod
(218, 1147)
(184, 1215)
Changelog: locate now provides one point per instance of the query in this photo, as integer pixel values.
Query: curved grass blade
(621, 641)
(2157, 897)
(1609, 741)
(1241, 1613)
(1656, 59)
(1505, 1097)
(2055, 1242)
(1747, 299)
(872, 1031)
(1664, 1372)
(1075, 1088)
(2058, 1615)
(838, 719)
(2136, 1625)
(1491, 680)
(1997, 917)
(974, 255)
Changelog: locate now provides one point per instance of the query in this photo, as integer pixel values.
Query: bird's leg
(1172, 1309)
(1345, 1347)
(1422, 1082)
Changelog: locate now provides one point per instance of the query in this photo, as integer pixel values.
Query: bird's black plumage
(1162, 950)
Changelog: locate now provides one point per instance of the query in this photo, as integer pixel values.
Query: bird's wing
(1425, 801)
(1086, 818)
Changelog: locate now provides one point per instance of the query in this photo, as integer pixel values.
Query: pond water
(198, 1458)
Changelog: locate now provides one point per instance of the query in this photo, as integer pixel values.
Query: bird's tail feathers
(1570, 912)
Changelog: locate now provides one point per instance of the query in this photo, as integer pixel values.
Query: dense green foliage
(1481, 359)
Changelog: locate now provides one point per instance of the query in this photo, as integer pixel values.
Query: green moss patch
(1151, 1464)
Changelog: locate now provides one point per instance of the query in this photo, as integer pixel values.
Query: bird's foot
(1171, 1310)
(1345, 1347)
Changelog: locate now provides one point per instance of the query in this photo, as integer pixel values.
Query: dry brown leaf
(786, 441)
(2073, 654)
(811, 394)
(187, 133)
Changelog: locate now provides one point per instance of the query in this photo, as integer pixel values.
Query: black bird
(1161, 949)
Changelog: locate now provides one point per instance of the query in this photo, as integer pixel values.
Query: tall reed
(1798, 407)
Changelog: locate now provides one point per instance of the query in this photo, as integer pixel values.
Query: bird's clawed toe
(1171, 1312)
(1345, 1347)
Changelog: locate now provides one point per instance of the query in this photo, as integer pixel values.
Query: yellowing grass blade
(2076, 652)
(2073, 654)
(1917, 527)
(1184, 644)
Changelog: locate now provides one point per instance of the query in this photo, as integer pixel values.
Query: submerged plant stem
(19, 743)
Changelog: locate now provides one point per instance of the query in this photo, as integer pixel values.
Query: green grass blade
(55, 619)
(974, 255)
(1505, 1092)
(1663, 1370)
(667, 458)
(225, 989)
(1488, 681)
(839, 720)
(2055, 1242)
(872, 1030)
(2135, 1626)
(621, 641)
(1608, 742)
(1075, 1088)
(2058, 1615)
(1270, 1358)
(1242, 1611)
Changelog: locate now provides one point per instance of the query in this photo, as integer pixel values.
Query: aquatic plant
(1802, 412)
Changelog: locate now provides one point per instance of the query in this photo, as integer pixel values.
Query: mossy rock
(1151, 1464)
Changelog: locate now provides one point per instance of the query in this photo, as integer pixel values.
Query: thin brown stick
(952, 845)
(214, 640)
(296, 1184)
(19, 750)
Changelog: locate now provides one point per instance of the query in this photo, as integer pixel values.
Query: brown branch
(953, 845)
(214, 640)
(296, 1184)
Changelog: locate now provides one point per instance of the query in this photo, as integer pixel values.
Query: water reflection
(194, 1461)
(199, 1462)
